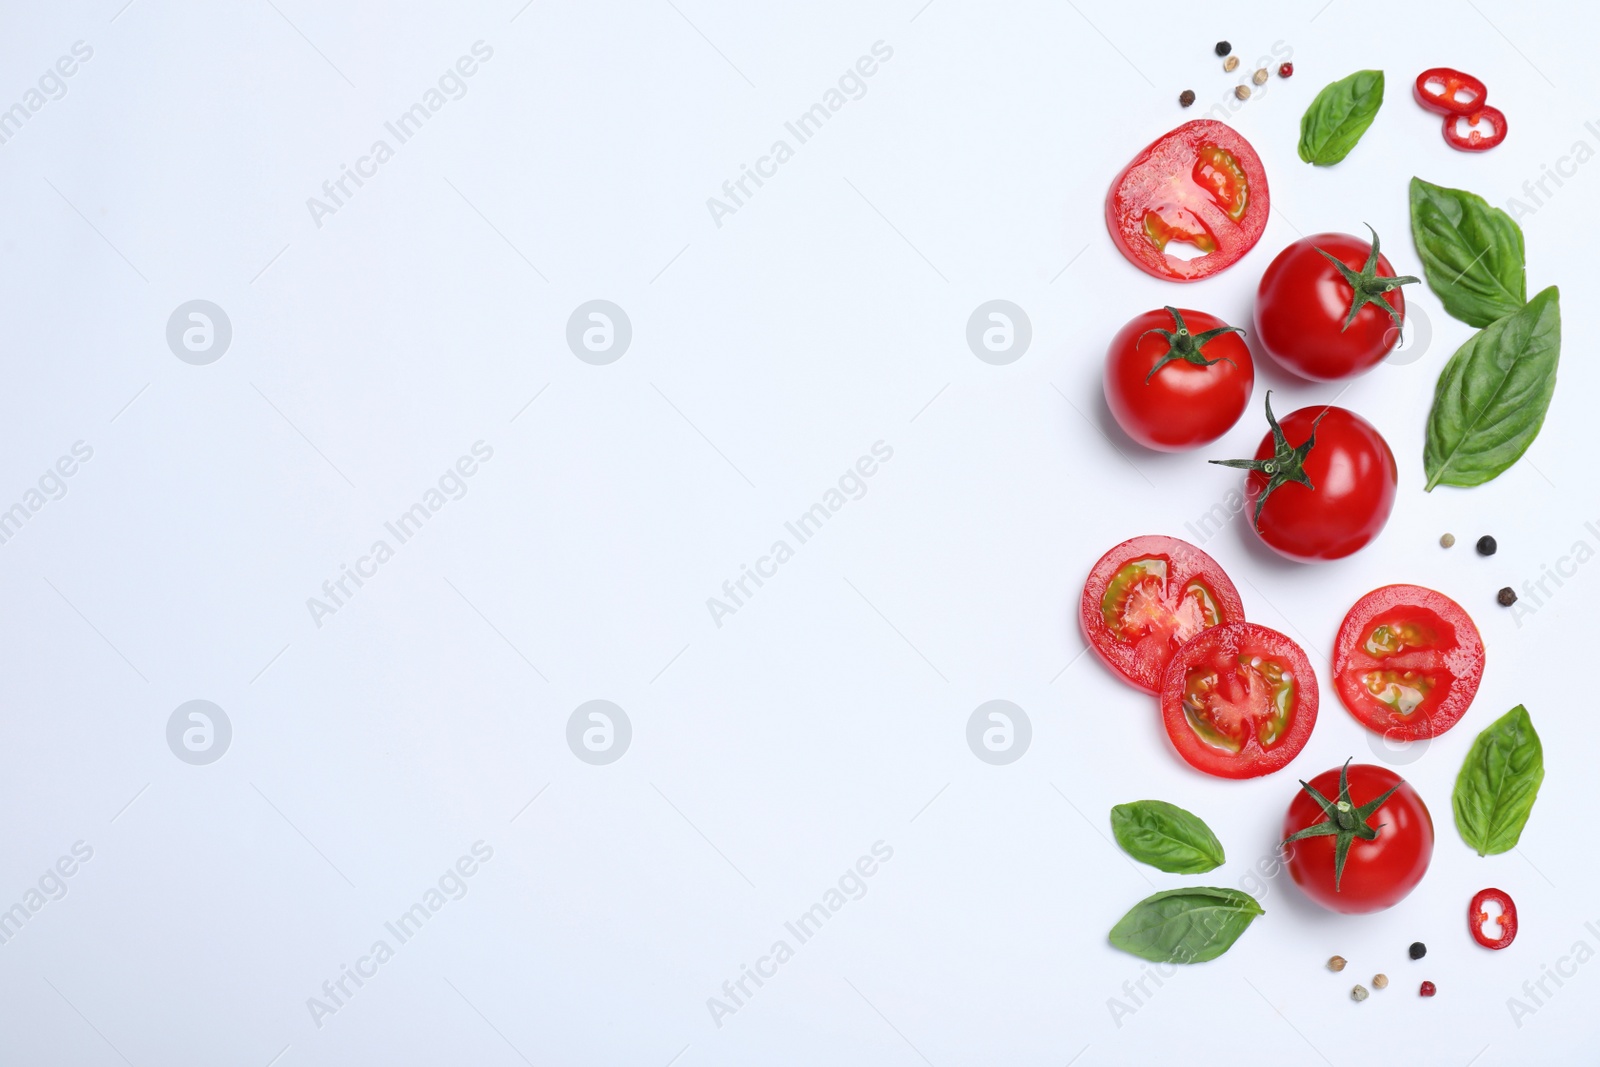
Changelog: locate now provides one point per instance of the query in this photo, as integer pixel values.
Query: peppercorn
(1380, 981)
(1186, 98)
(1223, 48)
(1336, 963)
(1486, 546)
(1359, 993)
(1506, 596)
(1418, 950)
(1242, 92)
(1286, 70)
(1428, 989)
(1260, 76)
(1447, 540)
(1230, 64)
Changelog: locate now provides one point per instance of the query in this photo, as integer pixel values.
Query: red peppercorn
(1286, 70)
(1428, 989)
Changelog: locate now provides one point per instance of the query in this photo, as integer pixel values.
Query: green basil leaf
(1492, 395)
(1185, 925)
(1339, 116)
(1166, 837)
(1471, 253)
(1498, 783)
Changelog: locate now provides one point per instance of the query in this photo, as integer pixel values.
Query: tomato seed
(1506, 596)
(1418, 950)
(1223, 48)
(1359, 993)
(1447, 540)
(1186, 97)
(1428, 989)
(1230, 64)
(1380, 981)
(1242, 92)
(1486, 545)
(1260, 76)
(1336, 963)
(1286, 70)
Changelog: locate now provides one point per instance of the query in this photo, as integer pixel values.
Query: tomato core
(1227, 705)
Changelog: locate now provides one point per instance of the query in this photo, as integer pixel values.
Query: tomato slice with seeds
(1407, 662)
(1146, 597)
(1202, 185)
(1239, 700)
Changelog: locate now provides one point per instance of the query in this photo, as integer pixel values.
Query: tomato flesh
(1146, 597)
(1239, 700)
(1378, 873)
(1407, 662)
(1202, 185)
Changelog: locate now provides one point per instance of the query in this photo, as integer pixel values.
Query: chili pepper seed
(1336, 963)
(1380, 981)
(1359, 993)
(1506, 596)
(1223, 48)
(1186, 98)
(1242, 92)
(1418, 950)
(1230, 64)
(1428, 989)
(1286, 70)
(1260, 76)
(1447, 541)
(1487, 546)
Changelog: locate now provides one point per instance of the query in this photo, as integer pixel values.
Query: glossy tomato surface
(1184, 404)
(1202, 185)
(1353, 478)
(1407, 662)
(1378, 873)
(1302, 303)
(1146, 597)
(1239, 700)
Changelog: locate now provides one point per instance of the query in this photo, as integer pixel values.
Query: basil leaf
(1492, 395)
(1471, 253)
(1185, 925)
(1166, 837)
(1498, 783)
(1339, 116)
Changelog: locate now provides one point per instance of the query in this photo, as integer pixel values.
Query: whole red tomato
(1177, 379)
(1330, 307)
(1322, 483)
(1375, 821)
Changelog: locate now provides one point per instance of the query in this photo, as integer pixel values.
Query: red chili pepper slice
(1450, 82)
(1460, 131)
(1477, 918)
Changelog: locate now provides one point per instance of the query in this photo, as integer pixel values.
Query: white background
(768, 354)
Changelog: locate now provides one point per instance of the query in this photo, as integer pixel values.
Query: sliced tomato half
(1201, 185)
(1146, 597)
(1407, 662)
(1239, 700)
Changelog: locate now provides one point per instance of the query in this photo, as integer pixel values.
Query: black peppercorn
(1507, 596)
(1418, 950)
(1186, 97)
(1223, 48)
(1486, 545)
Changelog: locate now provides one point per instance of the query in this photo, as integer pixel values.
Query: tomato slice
(1407, 662)
(1201, 185)
(1239, 700)
(1476, 132)
(1146, 597)
(1478, 918)
(1438, 89)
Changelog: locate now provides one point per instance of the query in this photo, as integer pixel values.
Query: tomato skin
(1183, 405)
(1354, 475)
(1301, 306)
(1378, 874)
(1169, 181)
(1142, 663)
(1451, 662)
(1219, 649)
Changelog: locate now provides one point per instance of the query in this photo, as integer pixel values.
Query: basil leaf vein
(1472, 254)
(1166, 837)
(1185, 925)
(1498, 784)
(1339, 116)
(1493, 394)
